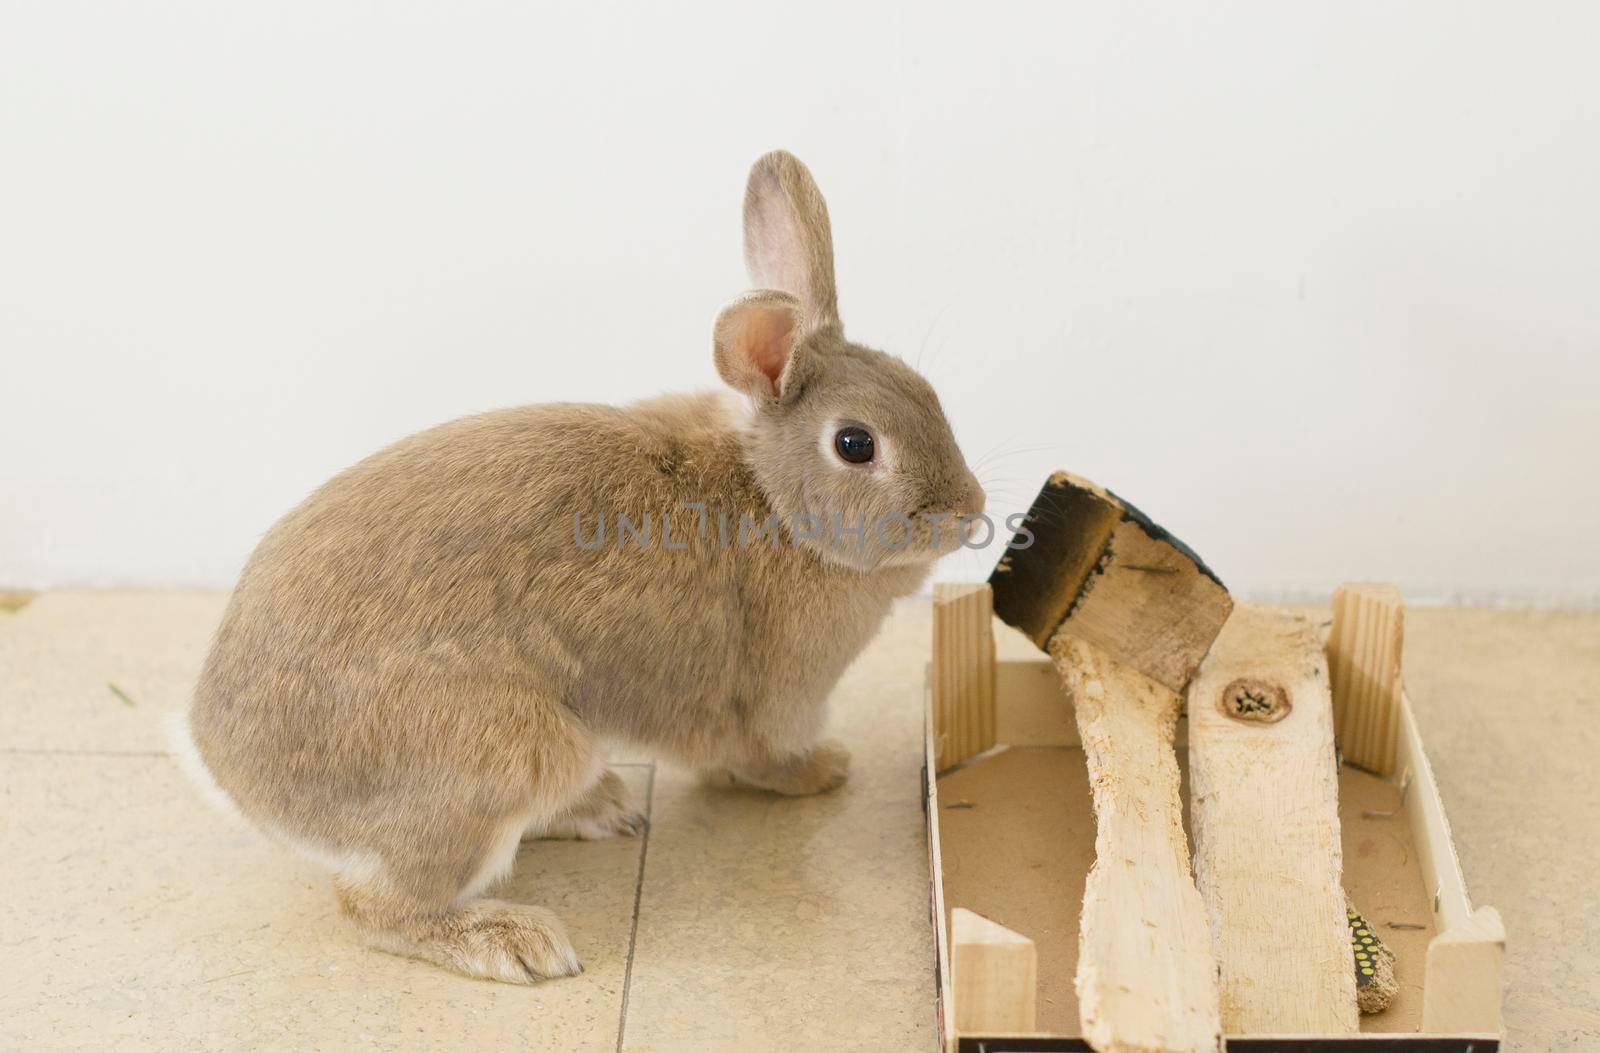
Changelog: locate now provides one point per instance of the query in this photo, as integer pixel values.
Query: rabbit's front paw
(825, 768)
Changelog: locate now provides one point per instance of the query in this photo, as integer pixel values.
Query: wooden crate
(1011, 837)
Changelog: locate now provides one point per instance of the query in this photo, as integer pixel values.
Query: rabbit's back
(447, 530)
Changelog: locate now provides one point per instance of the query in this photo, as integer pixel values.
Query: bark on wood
(1099, 570)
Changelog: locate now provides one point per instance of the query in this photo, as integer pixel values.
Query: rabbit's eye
(854, 444)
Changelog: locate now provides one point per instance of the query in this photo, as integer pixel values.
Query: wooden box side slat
(944, 1020)
(1462, 991)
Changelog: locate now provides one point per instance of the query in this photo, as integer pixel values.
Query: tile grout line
(638, 898)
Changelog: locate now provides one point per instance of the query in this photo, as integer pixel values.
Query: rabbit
(423, 663)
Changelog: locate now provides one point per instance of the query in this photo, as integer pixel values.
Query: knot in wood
(1251, 699)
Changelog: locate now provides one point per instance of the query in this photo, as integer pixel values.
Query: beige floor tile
(1508, 703)
(135, 919)
(61, 654)
(772, 923)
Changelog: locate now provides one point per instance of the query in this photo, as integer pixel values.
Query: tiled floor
(134, 918)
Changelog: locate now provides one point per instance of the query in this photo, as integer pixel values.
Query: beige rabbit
(422, 663)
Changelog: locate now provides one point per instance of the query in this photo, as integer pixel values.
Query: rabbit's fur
(421, 663)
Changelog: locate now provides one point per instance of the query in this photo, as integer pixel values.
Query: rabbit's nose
(973, 500)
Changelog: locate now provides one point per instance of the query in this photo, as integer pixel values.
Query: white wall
(1316, 284)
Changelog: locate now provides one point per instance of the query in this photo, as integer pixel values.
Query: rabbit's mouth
(901, 540)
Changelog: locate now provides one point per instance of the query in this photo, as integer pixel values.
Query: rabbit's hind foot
(603, 811)
(823, 768)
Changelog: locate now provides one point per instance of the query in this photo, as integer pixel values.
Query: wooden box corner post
(963, 671)
(1462, 989)
(1363, 650)
(994, 973)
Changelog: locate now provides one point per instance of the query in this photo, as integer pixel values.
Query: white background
(1318, 285)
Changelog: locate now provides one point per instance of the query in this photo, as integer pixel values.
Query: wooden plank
(1364, 648)
(995, 975)
(963, 671)
(1146, 976)
(1099, 570)
(1264, 800)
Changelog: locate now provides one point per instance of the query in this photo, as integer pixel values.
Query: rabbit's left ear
(788, 242)
(755, 342)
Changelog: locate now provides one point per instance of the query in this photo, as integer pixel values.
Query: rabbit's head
(849, 444)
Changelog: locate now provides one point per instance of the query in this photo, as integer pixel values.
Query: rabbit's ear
(754, 339)
(788, 243)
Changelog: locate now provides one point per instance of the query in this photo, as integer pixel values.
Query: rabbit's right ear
(755, 342)
(788, 242)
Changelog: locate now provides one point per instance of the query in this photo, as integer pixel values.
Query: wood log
(1264, 803)
(1146, 979)
(1099, 570)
